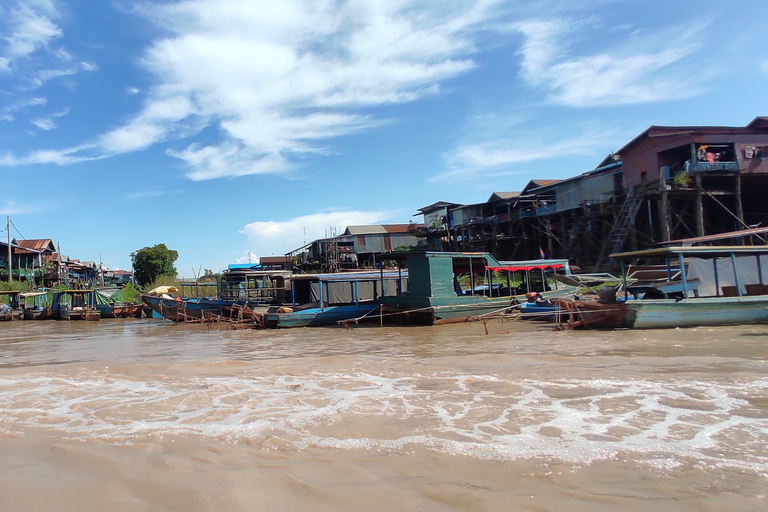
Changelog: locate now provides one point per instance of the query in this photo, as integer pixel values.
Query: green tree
(151, 262)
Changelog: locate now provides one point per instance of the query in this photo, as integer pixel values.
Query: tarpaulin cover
(746, 266)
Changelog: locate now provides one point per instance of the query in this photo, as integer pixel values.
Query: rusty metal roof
(38, 244)
(400, 228)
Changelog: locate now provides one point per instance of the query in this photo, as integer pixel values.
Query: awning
(526, 267)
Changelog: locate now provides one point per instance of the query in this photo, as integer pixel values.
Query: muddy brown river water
(140, 415)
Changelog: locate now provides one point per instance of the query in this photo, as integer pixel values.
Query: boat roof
(9, 292)
(529, 265)
(33, 294)
(350, 276)
(698, 251)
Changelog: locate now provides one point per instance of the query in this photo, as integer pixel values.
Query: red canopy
(526, 267)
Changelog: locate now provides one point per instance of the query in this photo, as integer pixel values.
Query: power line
(17, 230)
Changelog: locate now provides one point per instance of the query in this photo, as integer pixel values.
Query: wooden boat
(435, 294)
(183, 310)
(246, 286)
(10, 308)
(705, 286)
(37, 306)
(75, 305)
(111, 304)
(254, 290)
(329, 299)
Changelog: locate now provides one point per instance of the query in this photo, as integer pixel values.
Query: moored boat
(75, 305)
(446, 287)
(329, 299)
(37, 306)
(704, 286)
(10, 306)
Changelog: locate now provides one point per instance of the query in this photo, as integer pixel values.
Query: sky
(234, 129)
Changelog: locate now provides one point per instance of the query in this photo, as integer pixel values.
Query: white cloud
(133, 91)
(503, 157)
(631, 75)
(31, 28)
(279, 78)
(44, 124)
(279, 237)
(47, 123)
(59, 157)
(88, 66)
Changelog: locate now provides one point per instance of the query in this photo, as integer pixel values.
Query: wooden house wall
(432, 219)
(644, 156)
(574, 194)
(380, 242)
(463, 215)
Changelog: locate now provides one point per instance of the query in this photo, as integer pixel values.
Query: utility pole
(10, 260)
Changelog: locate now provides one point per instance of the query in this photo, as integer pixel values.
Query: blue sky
(228, 127)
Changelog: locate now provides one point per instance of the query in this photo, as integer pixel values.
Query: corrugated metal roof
(40, 244)
(400, 228)
(545, 183)
(503, 195)
(365, 230)
(436, 206)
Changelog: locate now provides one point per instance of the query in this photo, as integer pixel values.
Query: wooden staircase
(625, 218)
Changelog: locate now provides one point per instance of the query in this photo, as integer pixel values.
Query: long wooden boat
(37, 306)
(329, 299)
(181, 310)
(706, 286)
(436, 295)
(75, 305)
(11, 308)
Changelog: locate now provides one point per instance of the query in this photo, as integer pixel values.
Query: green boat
(690, 287)
(446, 287)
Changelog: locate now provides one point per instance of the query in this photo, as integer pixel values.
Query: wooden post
(664, 211)
(550, 245)
(739, 206)
(699, 207)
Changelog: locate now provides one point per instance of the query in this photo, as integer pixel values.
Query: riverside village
(669, 231)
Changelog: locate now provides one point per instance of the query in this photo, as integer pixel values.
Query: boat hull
(38, 314)
(314, 317)
(667, 313)
(413, 310)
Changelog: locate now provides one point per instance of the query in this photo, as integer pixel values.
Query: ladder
(625, 218)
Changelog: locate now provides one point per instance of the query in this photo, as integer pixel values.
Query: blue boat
(181, 310)
(329, 299)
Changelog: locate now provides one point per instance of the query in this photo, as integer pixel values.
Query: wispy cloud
(48, 156)
(31, 26)
(144, 194)
(504, 157)
(9, 207)
(637, 72)
(279, 79)
(31, 55)
(284, 236)
(46, 123)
